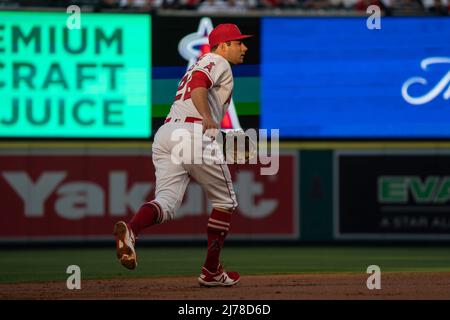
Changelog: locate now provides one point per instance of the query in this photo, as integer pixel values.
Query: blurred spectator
(109, 4)
(42, 3)
(178, 4)
(436, 6)
(237, 6)
(388, 7)
(144, 5)
(407, 7)
(402, 7)
(191, 4)
(316, 4)
(252, 4)
(362, 5)
(290, 4)
(343, 4)
(210, 6)
(171, 4)
(280, 3)
(268, 3)
(9, 3)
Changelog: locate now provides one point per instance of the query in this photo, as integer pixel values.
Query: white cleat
(219, 278)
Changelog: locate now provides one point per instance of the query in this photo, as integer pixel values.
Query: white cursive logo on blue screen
(435, 91)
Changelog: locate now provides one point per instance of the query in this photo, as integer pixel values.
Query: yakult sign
(79, 194)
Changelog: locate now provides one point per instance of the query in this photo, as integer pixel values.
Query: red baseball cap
(225, 32)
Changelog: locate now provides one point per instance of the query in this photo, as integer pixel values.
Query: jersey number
(183, 90)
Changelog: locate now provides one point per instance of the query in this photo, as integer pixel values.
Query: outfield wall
(362, 115)
(77, 191)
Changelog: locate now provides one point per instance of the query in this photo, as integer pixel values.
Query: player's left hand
(210, 127)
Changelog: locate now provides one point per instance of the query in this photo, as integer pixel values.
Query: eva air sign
(91, 82)
(405, 189)
(395, 194)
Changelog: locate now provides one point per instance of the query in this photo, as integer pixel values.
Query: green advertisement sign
(91, 82)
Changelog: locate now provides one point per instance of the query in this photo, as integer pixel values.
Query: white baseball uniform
(174, 169)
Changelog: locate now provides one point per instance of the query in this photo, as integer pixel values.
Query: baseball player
(201, 101)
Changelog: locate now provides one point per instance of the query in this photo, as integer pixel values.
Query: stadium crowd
(389, 7)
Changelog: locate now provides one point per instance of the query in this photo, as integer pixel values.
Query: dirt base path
(419, 285)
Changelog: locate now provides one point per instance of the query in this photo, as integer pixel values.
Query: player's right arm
(199, 97)
(198, 88)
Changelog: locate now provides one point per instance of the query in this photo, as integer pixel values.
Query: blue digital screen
(335, 78)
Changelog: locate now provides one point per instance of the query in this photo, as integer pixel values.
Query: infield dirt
(418, 285)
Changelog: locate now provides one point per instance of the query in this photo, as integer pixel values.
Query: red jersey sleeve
(199, 80)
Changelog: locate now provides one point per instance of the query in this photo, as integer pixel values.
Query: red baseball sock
(218, 225)
(149, 214)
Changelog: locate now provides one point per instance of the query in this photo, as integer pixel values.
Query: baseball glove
(238, 147)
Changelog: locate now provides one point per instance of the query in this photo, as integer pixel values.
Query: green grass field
(50, 265)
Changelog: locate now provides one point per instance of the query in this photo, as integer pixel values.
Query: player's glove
(238, 147)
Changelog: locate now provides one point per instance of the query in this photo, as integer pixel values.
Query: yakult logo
(80, 194)
(81, 199)
(443, 86)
